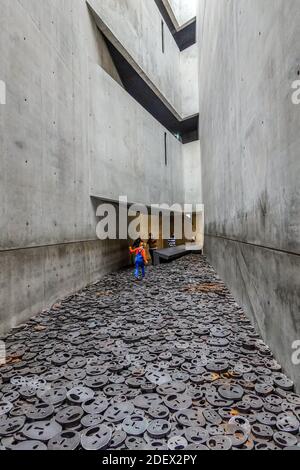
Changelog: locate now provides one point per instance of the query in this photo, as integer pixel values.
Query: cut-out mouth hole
(92, 432)
(68, 435)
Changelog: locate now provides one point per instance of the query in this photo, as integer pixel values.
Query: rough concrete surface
(167, 363)
(249, 132)
(69, 131)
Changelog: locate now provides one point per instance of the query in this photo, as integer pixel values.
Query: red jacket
(140, 250)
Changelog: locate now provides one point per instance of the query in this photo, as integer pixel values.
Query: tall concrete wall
(192, 173)
(193, 187)
(249, 132)
(68, 132)
(136, 26)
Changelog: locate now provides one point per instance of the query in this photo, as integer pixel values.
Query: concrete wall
(249, 131)
(128, 148)
(189, 71)
(192, 173)
(48, 245)
(183, 10)
(34, 279)
(45, 57)
(193, 187)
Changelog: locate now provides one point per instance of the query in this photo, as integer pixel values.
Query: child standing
(140, 259)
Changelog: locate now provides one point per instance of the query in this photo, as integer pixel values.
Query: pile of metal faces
(157, 365)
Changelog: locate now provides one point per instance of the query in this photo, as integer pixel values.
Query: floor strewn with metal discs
(170, 363)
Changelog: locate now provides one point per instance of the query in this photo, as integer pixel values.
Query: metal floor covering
(168, 363)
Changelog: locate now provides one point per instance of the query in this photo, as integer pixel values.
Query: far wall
(68, 132)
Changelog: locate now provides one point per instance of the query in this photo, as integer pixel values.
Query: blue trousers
(139, 265)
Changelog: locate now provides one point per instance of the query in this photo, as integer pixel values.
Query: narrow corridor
(168, 363)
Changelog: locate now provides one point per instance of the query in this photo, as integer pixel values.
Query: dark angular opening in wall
(186, 130)
(186, 36)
